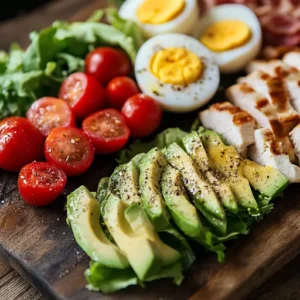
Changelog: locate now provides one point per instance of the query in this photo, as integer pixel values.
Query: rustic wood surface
(38, 244)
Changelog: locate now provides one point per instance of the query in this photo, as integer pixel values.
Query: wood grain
(40, 246)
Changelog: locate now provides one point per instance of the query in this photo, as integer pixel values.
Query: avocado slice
(203, 195)
(228, 161)
(182, 211)
(83, 212)
(151, 168)
(101, 192)
(196, 150)
(267, 180)
(135, 235)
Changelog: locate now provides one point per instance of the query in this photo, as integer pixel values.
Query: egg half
(233, 33)
(162, 16)
(178, 71)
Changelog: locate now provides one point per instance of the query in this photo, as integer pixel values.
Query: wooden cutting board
(40, 246)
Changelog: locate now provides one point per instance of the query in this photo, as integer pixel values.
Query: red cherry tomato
(142, 114)
(69, 149)
(40, 183)
(107, 130)
(20, 143)
(119, 90)
(106, 63)
(84, 94)
(48, 113)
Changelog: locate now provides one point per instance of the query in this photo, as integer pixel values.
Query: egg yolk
(159, 11)
(226, 35)
(177, 66)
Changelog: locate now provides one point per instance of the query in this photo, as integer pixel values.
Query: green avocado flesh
(83, 213)
(135, 235)
(134, 229)
(196, 150)
(151, 169)
(227, 160)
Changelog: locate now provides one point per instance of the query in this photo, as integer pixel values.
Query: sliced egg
(162, 16)
(178, 71)
(233, 33)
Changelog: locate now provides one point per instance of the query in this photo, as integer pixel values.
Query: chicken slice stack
(270, 93)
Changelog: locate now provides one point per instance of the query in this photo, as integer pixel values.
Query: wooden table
(285, 285)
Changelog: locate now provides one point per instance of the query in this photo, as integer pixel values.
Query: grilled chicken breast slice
(292, 59)
(295, 138)
(274, 90)
(267, 151)
(234, 124)
(262, 111)
(290, 76)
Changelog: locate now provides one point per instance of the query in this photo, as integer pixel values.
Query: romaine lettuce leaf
(108, 280)
(53, 54)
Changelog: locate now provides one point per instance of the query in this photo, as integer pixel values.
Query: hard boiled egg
(178, 71)
(162, 16)
(233, 33)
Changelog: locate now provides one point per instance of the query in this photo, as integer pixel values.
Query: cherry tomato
(107, 130)
(142, 115)
(106, 63)
(40, 183)
(48, 113)
(20, 143)
(69, 149)
(119, 90)
(84, 94)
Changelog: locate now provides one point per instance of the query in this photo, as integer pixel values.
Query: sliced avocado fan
(151, 168)
(202, 193)
(135, 235)
(196, 150)
(228, 161)
(83, 212)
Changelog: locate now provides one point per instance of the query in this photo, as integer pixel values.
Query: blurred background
(22, 7)
(17, 21)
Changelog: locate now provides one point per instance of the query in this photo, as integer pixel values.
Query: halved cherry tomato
(106, 63)
(20, 143)
(40, 183)
(142, 115)
(69, 149)
(48, 113)
(107, 130)
(84, 94)
(119, 90)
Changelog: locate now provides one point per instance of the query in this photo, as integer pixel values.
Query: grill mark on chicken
(282, 73)
(275, 147)
(262, 103)
(290, 122)
(245, 88)
(240, 116)
(278, 94)
(264, 76)
(277, 128)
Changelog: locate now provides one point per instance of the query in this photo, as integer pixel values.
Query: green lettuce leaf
(54, 53)
(130, 28)
(176, 240)
(108, 280)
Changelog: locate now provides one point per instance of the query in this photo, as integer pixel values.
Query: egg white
(177, 98)
(234, 60)
(185, 22)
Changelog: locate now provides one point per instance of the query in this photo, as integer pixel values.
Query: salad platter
(145, 231)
